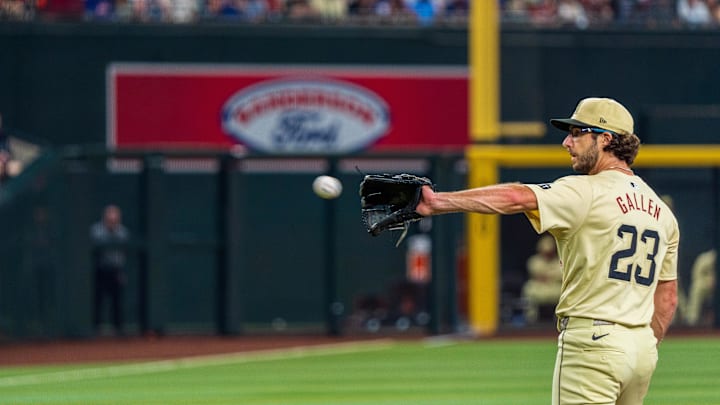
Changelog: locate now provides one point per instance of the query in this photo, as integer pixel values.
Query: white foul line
(195, 362)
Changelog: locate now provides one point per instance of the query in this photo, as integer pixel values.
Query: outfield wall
(219, 244)
(53, 81)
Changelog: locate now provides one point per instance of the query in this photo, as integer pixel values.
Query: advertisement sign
(287, 109)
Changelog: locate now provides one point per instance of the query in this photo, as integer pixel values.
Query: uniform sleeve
(562, 205)
(669, 265)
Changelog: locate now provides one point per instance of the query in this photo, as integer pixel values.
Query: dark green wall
(52, 77)
(240, 247)
(666, 78)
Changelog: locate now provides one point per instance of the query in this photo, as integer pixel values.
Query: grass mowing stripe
(193, 362)
(493, 372)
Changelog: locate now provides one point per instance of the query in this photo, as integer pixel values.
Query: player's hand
(424, 207)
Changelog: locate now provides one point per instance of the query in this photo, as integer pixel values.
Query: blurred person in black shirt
(109, 237)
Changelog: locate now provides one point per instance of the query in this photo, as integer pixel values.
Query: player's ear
(607, 138)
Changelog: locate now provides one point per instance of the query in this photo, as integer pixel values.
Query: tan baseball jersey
(616, 238)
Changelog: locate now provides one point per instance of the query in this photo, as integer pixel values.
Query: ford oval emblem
(305, 116)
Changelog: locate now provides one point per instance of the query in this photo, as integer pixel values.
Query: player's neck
(620, 166)
(614, 164)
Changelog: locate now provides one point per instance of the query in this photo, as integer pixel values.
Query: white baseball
(327, 187)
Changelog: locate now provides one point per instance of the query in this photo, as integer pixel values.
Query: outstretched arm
(509, 198)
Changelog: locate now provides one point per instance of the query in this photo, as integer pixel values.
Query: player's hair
(624, 147)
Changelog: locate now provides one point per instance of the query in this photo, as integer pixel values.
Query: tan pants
(695, 301)
(603, 364)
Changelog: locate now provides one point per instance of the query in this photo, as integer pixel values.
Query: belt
(571, 322)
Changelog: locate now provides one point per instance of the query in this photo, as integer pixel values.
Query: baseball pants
(603, 363)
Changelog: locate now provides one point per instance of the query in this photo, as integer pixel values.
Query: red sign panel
(287, 109)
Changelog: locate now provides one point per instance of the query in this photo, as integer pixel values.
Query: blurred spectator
(274, 8)
(515, 11)
(215, 9)
(599, 11)
(236, 10)
(60, 9)
(702, 286)
(571, 12)
(542, 12)
(299, 10)
(361, 8)
(152, 10)
(694, 12)
(330, 10)
(123, 10)
(641, 11)
(425, 10)
(109, 237)
(17, 10)
(394, 11)
(99, 10)
(714, 6)
(256, 10)
(183, 11)
(544, 284)
(659, 13)
(625, 9)
(457, 9)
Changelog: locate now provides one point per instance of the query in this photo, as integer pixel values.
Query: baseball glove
(388, 202)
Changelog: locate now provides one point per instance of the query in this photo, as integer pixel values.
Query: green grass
(480, 372)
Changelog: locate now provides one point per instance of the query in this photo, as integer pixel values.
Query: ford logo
(305, 116)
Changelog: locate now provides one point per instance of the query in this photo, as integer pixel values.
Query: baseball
(327, 187)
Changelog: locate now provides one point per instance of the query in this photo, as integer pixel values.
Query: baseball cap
(604, 113)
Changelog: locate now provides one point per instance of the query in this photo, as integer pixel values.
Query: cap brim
(564, 123)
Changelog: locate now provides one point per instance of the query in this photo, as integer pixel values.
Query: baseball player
(618, 244)
(545, 282)
(702, 286)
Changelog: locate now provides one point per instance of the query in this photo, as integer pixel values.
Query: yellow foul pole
(484, 71)
(483, 230)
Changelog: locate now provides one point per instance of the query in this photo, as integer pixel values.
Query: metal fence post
(229, 253)
(153, 286)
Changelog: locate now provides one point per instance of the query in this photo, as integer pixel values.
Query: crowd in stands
(548, 13)
(585, 13)
(242, 11)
